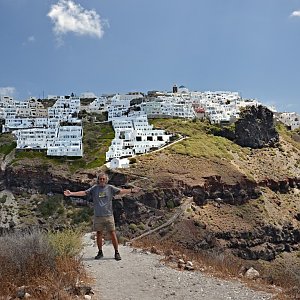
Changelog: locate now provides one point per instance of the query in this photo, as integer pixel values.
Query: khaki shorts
(104, 224)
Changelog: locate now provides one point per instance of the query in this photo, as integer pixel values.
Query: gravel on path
(141, 275)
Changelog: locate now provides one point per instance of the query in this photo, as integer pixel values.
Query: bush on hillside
(82, 215)
(51, 205)
(23, 256)
(7, 143)
(66, 243)
(34, 259)
(3, 199)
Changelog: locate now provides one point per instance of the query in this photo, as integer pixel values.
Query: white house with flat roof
(35, 138)
(169, 106)
(290, 119)
(136, 138)
(119, 163)
(117, 111)
(98, 105)
(126, 97)
(15, 122)
(59, 141)
(68, 142)
(88, 95)
(119, 105)
(36, 128)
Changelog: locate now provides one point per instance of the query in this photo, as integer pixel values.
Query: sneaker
(117, 256)
(99, 255)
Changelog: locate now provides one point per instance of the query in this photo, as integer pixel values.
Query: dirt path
(187, 201)
(143, 276)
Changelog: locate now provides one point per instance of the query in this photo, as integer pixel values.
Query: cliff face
(34, 179)
(256, 128)
(225, 214)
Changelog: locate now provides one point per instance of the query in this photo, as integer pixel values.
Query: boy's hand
(135, 189)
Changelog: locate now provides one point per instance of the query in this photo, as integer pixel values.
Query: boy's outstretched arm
(75, 194)
(130, 191)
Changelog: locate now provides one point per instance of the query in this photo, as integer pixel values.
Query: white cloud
(7, 91)
(295, 13)
(68, 16)
(31, 39)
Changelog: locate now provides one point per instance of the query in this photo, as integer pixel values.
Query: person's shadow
(97, 260)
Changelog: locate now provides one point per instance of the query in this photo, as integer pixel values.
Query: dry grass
(213, 262)
(28, 259)
(285, 272)
(226, 266)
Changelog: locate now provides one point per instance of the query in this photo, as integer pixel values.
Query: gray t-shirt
(102, 199)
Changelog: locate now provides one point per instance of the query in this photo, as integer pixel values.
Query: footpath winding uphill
(143, 275)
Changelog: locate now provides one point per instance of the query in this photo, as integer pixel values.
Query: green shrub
(132, 160)
(170, 204)
(82, 215)
(31, 154)
(51, 205)
(3, 199)
(66, 243)
(141, 226)
(133, 227)
(23, 212)
(6, 149)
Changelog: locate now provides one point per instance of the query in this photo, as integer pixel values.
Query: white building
(35, 138)
(290, 119)
(35, 128)
(59, 141)
(98, 105)
(88, 95)
(136, 138)
(120, 104)
(68, 142)
(119, 163)
(169, 106)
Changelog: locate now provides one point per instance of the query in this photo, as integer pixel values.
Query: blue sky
(106, 46)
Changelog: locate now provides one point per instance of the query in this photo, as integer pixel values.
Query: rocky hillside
(245, 200)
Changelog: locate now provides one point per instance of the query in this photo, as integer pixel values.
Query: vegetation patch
(46, 266)
(288, 135)
(97, 138)
(49, 206)
(200, 142)
(30, 154)
(6, 149)
(3, 199)
(66, 243)
(81, 215)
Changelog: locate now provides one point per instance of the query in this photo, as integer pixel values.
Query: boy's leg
(99, 244)
(99, 239)
(114, 240)
(98, 227)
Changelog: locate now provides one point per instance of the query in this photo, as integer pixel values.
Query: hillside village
(58, 129)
